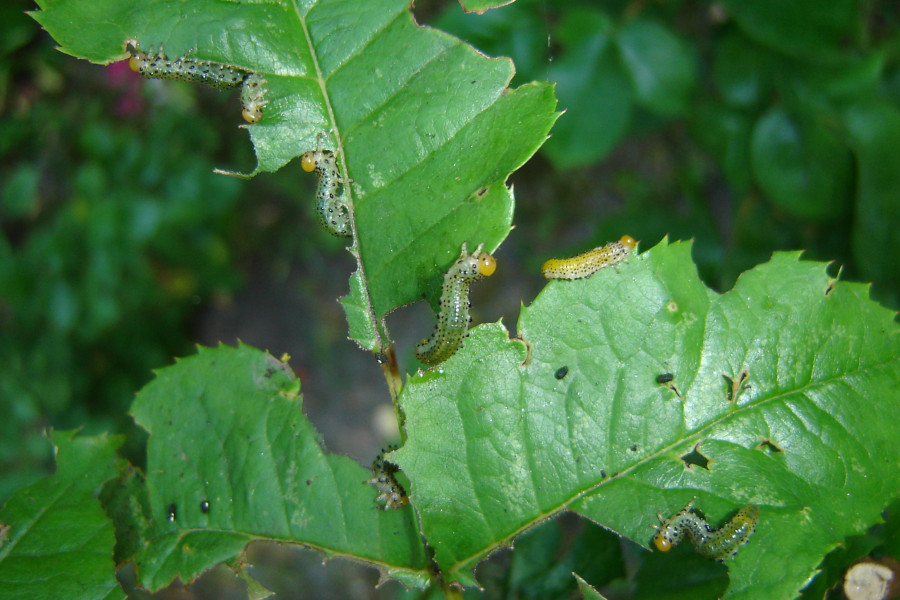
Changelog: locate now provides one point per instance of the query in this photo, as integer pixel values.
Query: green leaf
(741, 71)
(890, 531)
(874, 128)
(422, 212)
(125, 501)
(659, 65)
(482, 6)
(59, 543)
(801, 166)
(587, 592)
(20, 196)
(803, 28)
(680, 575)
(517, 31)
(852, 76)
(424, 125)
(231, 458)
(545, 558)
(835, 565)
(725, 133)
(498, 441)
(592, 89)
(359, 319)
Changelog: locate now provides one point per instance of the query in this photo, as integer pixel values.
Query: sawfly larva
(718, 544)
(453, 317)
(585, 265)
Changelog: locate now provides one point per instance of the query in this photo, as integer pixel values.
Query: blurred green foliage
(113, 228)
(752, 126)
(115, 233)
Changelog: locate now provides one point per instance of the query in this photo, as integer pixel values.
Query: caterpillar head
(628, 241)
(253, 92)
(310, 159)
(253, 116)
(478, 264)
(666, 534)
(486, 264)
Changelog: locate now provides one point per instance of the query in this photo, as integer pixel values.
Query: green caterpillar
(214, 74)
(330, 207)
(453, 318)
(718, 544)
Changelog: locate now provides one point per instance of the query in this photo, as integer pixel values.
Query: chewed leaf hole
(769, 447)
(695, 457)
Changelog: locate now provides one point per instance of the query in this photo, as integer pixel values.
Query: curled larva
(330, 207)
(719, 543)
(252, 97)
(207, 72)
(585, 265)
(384, 480)
(453, 317)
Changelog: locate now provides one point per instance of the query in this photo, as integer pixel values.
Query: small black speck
(634, 448)
(561, 372)
(172, 512)
(664, 378)
(204, 507)
(602, 474)
(309, 482)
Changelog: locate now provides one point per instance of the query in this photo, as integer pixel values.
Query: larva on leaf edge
(453, 315)
(384, 480)
(208, 72)
(331, 208)
(588, 263)
(717, 544)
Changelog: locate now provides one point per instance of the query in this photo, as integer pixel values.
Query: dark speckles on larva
(331, 209)
(453, 318)
(208, 72)
(588, 263)
(712, 543)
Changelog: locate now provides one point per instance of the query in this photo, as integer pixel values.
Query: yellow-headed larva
(453, 317)
(207, 72)
(194, 70)
(585, 265)
(719, 543)
(384, 480)
(252, 97)
(331, 208)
